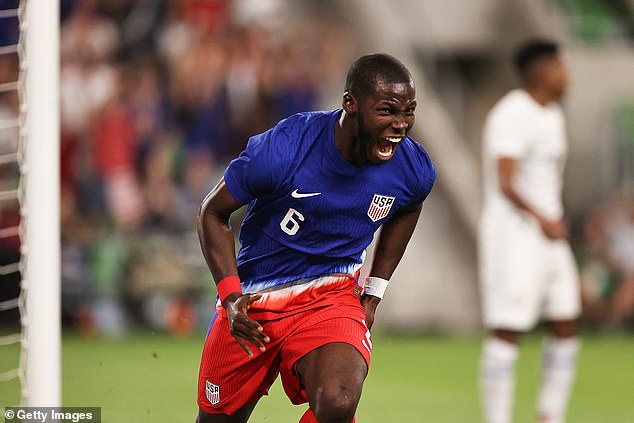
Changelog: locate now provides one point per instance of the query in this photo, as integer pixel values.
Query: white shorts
(524, 276)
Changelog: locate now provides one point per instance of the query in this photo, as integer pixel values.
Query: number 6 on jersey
(289, 225)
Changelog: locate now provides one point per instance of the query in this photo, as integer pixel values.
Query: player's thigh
(330, 347)
(563, 296)
(334, 372)
(228, 379)
(511, 278)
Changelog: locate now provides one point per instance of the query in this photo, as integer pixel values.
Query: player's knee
(563, 329)
(336, 405)
(204, 417)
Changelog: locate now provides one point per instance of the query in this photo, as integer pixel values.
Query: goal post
(41, 211)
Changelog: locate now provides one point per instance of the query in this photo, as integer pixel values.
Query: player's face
(385, 118)
(554, 76)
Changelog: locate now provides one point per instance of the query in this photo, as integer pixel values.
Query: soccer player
(527, 268)
(318, 186)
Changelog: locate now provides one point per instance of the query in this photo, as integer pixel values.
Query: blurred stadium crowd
(156, 98)
(606, 257)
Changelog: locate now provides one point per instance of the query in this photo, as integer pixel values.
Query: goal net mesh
(13, 318)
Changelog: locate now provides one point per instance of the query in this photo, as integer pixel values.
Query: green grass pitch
(149, 377)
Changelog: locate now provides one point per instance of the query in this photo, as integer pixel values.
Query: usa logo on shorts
(213, 392)
(380, 207)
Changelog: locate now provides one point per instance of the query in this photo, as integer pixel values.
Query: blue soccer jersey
(310, 212)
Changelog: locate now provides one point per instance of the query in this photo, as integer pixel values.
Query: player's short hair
(532, 51)
(367, 70)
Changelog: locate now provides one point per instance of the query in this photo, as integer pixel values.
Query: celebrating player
(527, 268)
(318, 185)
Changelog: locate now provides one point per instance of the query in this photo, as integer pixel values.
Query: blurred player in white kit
(527, 270)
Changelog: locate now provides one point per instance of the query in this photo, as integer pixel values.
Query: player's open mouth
(386, 147)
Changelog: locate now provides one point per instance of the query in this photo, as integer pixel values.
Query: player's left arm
(390, 248)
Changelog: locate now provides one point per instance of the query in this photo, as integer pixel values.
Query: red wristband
(228, 286)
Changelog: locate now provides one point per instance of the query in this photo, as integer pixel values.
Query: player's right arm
(256, 172)
(507, 169)
(218, 247)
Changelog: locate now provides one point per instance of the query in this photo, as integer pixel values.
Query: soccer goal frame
(41, 277)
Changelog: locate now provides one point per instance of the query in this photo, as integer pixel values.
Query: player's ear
(349, 103)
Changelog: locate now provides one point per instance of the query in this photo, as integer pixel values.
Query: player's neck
(541, 96)
(347, 142)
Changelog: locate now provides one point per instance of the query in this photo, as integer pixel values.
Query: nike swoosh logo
(296, 194)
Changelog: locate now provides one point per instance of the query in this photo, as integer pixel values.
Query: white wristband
(375, 286)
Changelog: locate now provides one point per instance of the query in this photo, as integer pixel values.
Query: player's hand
(369, 303)
(554, 229)
(243, 328)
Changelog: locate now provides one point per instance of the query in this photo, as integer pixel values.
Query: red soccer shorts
(229, 379)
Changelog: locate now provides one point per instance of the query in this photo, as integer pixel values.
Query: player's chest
(325, 195)
(545, 136)
(546, 142)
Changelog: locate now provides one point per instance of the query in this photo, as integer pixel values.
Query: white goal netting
(12, 135)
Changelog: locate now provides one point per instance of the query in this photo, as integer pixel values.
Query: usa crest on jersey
(213, 392)
(380, 207)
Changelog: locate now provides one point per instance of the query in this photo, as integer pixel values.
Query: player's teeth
(386, 151)
(394, 140)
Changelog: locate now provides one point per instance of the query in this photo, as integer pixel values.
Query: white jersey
(524, 275)
(518, 127)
